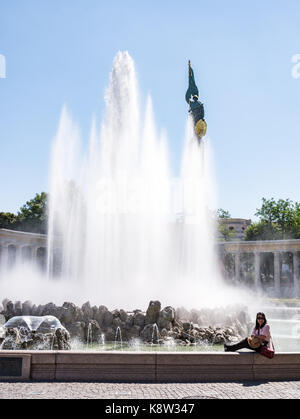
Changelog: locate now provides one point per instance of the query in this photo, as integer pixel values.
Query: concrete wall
(155, 367)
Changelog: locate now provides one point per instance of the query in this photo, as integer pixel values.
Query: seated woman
(260, 336)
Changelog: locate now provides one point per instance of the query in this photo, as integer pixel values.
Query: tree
(221, 213)
(32, 217)
(7, 220)
(278, 220)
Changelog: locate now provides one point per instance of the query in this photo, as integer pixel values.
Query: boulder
(68, 314)
(9, 310)
(99, 315)
(132, 332)
(139, 319)
(123, 315)
(152, 312)
(150, 333)
(77, 330)
(18, 308)
(107, 319)
(26, 308)
(87, 311)
(92, 331)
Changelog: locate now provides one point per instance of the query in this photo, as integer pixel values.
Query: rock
(166, 318)
(117, 322)
(87, 311)
(26, 308)
(187, 326)
(9, 310)
(77, 330)
(68, 314)
(132, 333)
(23, 338)
(164, 333)
(18, 308)
(152, 312)
(150, 333)
(110, 335)
(123, 316)
(4, 303)
(107, 319)
(92, 331)
(61, 340)
(50, 309)
(139, 319)
(99, 315)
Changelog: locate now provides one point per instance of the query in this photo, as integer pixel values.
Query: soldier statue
(196, 107)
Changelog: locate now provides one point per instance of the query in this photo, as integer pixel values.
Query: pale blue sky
(61, 51)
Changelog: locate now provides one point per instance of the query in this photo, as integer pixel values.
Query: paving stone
(95, 390)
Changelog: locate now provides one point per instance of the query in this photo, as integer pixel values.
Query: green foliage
(221, 213)
(8, 220)
(279, 220)
(32, 217)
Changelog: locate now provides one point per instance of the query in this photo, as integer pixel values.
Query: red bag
(268, 353)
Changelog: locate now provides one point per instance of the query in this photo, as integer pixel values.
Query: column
(18, 254)
(296, 272)
(257, 278)
(237, 264)
(4, 256)
(34, 253)
(277, 273)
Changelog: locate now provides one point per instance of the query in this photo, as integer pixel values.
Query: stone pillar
(18, 254)
(296, 272)
(34, 253)
(257, 270)
(4, 256)
(237, 264)
(277, 273)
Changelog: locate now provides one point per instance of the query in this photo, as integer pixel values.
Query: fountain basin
(152, 367)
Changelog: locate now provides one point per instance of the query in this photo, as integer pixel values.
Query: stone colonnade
(20, 246)
(259, 249)
(17, 246)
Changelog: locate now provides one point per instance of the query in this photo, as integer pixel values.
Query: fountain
(123, 223)
(89, 337)
(123, 228)
(118, 338)
(33, 332)
(155, 334)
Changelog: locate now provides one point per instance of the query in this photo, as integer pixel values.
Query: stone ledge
(155, 367)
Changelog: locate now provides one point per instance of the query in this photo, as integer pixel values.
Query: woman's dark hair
(258, 326)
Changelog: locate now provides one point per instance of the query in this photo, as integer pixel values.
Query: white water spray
(115, 236)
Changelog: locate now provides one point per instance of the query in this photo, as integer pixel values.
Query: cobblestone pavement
(93, 390)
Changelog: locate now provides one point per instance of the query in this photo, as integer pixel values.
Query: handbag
(254, 342)
(265, 351)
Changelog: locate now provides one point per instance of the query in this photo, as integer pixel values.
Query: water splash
(112, 212)
(118, 338)
(123, 229)
(89, 337)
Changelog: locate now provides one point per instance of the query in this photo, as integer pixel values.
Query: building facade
(269, 266)
(18, 246)
(237, 226)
